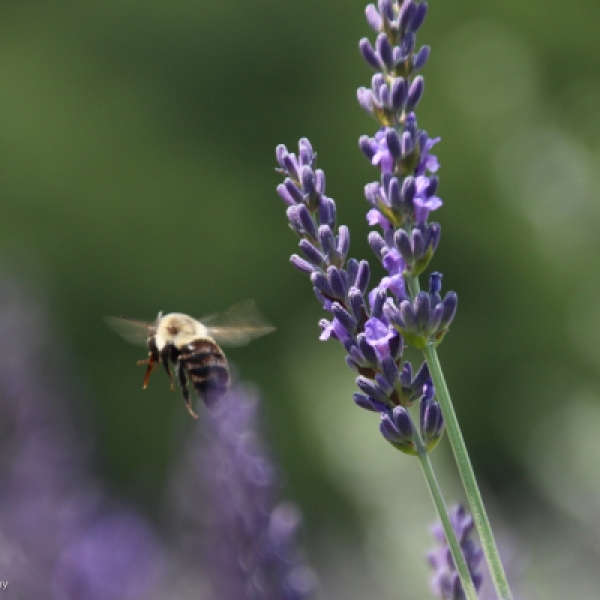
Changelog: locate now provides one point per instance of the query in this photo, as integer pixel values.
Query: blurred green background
(137, 174)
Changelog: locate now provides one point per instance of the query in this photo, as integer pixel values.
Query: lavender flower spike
(246, 537)
(374, 326)
(61, 534)
(445, 583)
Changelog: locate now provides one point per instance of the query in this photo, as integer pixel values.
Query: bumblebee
(192, 346)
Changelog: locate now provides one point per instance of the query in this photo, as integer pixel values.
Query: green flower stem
(438, 500)
(467, 475)
(463, 463)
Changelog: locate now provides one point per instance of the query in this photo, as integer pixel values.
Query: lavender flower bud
(407, 10)
(343, 243)
(344, 317)
(285, 195)
(320, 181)
(351, 269)
(371, 389)
(403, 243)
(422, 309)
(420, 58)
(390, 370)
(418, 16)
(369, 403)
(384, 50)
(305, 152)
(312, 253)
(407, 316)
(393, 143)
(379, 297)
(399, 93)
(407, 194)
(422, 377)
(435, 318)
(384, 385)
(290, 166)
(365, 99)
(326, 239)
(364, 143)
(357, 304)
(280, 152)
(321, 283)
(413, 389)
(301, 264)
(392, 314)
(428, 318)
(415, 93)
(418, 248)
(407, 45)
(354, 360)
(337, 283)
(432, 423)
(293, 190)
(369, 54)
(407, 146)
(307, 177)
(373, 18)
(435, 283)
(450, 305)
(363, 275)
(311, 196)
(301, 221)
(367, 349)
(327, 211)
(397, 428)
(377, 244)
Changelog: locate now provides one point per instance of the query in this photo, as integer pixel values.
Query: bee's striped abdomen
(207, 369)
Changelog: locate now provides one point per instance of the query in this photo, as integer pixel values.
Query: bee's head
(178, 330)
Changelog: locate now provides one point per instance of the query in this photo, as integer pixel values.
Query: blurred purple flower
(245, 537)
(115, 557)
(445, 582)
(59, 535)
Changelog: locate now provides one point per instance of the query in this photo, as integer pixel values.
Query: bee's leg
(183, 383)
(150, 361)
(164, 358)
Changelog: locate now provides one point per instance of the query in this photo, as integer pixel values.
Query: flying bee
(192, 346)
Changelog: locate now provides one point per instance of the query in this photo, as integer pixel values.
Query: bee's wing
(133, 330)
(238, 325)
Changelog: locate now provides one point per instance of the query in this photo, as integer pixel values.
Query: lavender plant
(249, 538)
(376, 324)
(60, 534)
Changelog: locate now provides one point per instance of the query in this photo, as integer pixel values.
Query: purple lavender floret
(426, 319)
(248, 538)
(61, 535)
(431, 419)
(445, 583)
(397, 428)
(374, 326)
